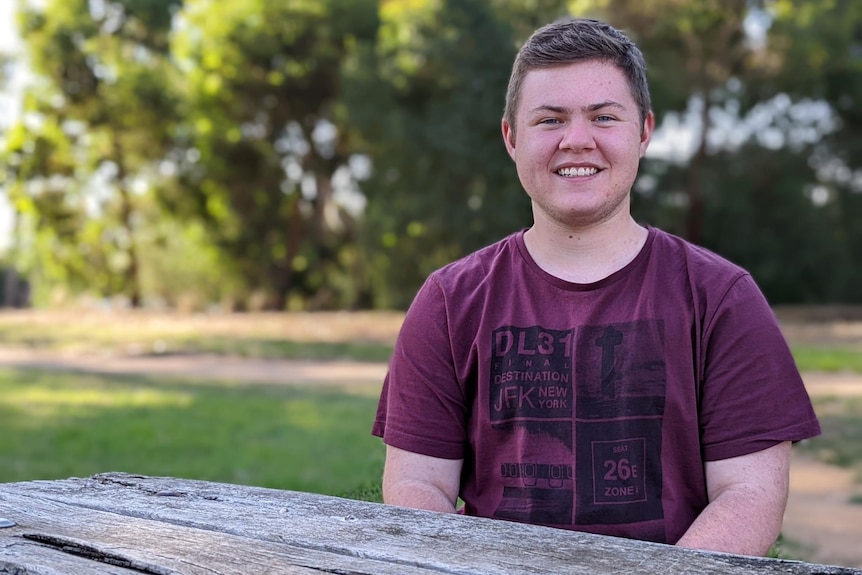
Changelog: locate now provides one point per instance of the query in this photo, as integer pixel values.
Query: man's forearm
(736, 523)
(417, 494)
(420, 481)
(747, 495)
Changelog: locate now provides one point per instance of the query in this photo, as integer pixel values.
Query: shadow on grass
(315, 439)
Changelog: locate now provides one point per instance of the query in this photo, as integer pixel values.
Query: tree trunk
(131, 275)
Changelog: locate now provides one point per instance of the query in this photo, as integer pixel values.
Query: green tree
(262, 150)
(443, 184)
(770, 182)
(814, 55)
(693, 50)
(95, 121)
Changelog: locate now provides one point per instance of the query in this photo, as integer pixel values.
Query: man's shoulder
(478, 265)
(676, 250)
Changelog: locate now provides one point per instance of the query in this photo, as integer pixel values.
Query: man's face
(577, 142)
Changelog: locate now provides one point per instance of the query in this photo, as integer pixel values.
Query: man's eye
(604, 118)
(550, 121)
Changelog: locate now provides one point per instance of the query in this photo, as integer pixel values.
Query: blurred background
(166, 163)
(248, 155)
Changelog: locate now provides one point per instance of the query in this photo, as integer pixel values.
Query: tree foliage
(816, 52)
(95, 120)
(442, 184)
(773, 91)
(332, 153)
(88, 128)
(262, 143)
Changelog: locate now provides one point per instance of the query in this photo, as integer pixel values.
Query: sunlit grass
(55, 425)
(827, 359)
(46, 403)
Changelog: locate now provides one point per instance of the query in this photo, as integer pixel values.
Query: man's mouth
(577, 172)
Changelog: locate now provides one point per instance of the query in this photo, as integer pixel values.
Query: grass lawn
(316, 439)
(57, 425)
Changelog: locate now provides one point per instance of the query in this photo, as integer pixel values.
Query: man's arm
(747, 497)
(420, 481)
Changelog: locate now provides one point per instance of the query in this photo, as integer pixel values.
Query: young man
(590, 373)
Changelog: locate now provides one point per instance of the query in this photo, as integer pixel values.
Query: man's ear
(646, 132)
(509, 138)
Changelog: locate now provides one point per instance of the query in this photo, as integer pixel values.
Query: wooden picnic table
(129, 524)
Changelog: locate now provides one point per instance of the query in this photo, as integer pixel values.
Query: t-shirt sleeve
(752, 395)
(422, 407)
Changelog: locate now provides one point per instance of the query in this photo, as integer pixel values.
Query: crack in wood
(114, 478)
(335, 571)
(89, 552)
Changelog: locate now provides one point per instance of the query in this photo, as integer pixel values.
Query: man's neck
(585, 255)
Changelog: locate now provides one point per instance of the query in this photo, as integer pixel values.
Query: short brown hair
(569, 41)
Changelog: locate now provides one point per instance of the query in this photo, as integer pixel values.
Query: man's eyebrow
(605, 104)
(549, 108)
(591, 108)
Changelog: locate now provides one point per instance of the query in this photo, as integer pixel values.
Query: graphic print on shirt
(608, 384)
(620, 398)
(531, 393)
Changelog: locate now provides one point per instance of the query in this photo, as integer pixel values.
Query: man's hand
(420, 481)
(747, 497)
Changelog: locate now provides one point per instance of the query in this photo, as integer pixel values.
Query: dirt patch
(99, 328)
(842, 327)
(821, 522)
(823, 519)
(212, 367)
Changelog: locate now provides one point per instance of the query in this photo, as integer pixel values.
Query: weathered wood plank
(54, 537)
(387, 535)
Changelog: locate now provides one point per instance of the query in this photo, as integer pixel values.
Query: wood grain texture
(119, 523)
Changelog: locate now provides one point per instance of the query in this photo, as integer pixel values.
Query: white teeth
(572, 172)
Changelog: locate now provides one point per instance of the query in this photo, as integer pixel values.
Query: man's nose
(577, 135)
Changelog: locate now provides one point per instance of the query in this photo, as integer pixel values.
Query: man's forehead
(604, 68)
(577, 85)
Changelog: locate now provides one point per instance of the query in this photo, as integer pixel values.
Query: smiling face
(577, 143)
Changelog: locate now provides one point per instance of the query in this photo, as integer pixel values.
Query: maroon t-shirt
(591, 406)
